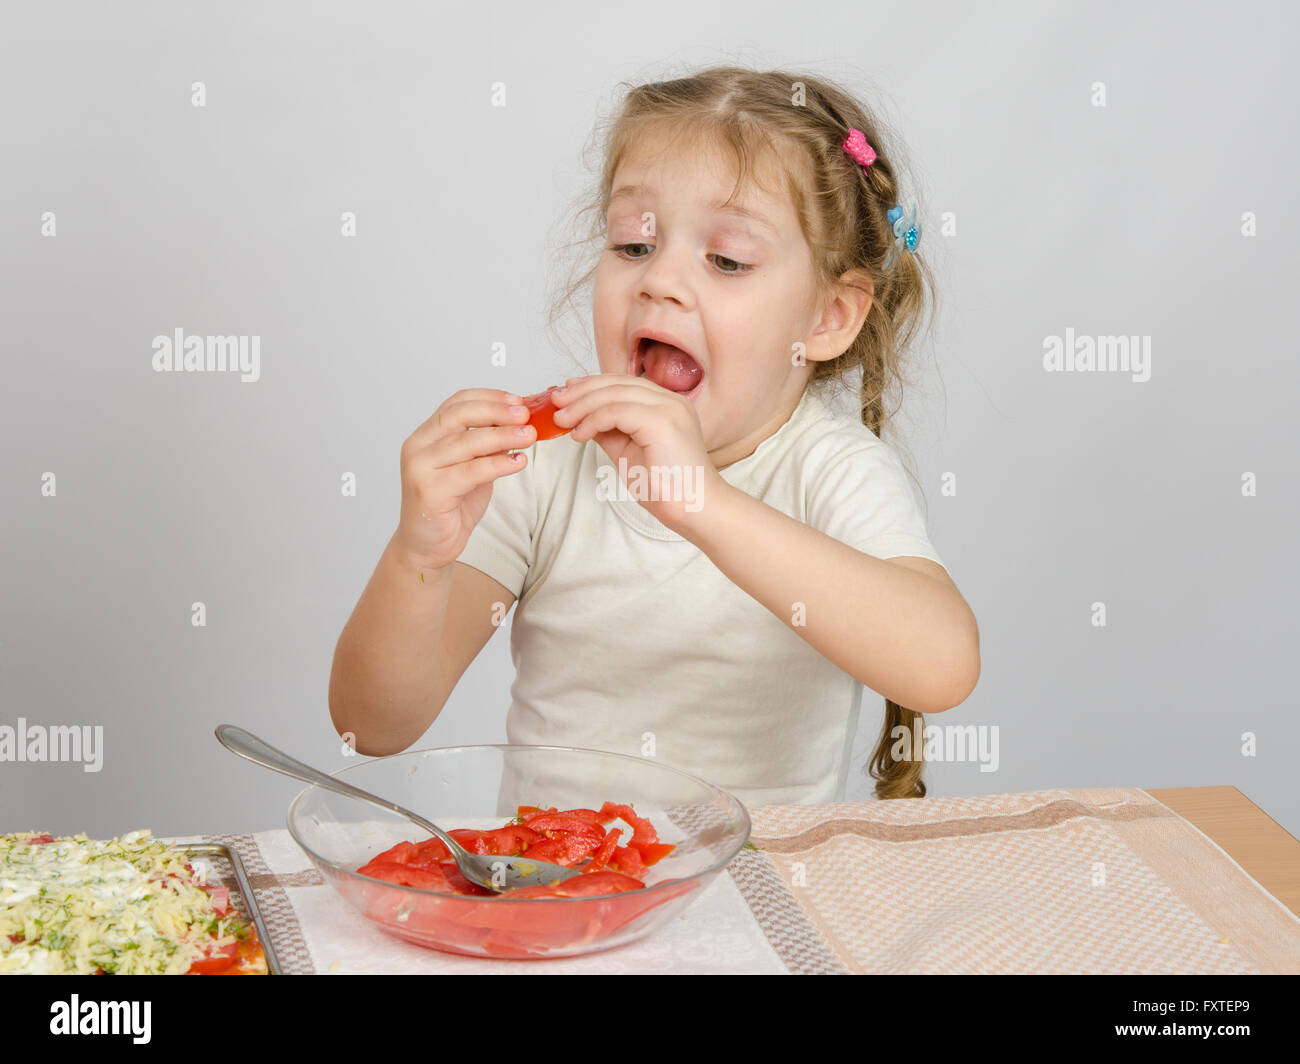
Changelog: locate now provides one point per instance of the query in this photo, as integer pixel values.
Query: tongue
(671, 367)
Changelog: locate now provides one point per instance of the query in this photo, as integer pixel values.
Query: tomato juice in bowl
(481, 787)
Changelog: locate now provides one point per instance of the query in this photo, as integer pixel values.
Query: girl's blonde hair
(800, 123)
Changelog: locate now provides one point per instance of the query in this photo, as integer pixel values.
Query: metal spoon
(495, 873)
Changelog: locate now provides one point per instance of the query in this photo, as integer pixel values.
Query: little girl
(724, 622)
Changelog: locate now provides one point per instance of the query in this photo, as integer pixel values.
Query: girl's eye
(733, 268)
(740, 267)
(621, 248)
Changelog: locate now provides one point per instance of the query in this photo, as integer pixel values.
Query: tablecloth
(1099, 881)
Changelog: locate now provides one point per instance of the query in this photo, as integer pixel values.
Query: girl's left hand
(652, 428)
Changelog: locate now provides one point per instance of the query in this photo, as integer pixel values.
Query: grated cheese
(128, 906)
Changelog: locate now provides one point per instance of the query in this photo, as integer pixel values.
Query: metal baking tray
(231, 857)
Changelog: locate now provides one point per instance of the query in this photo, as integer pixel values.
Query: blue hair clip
(907, 231)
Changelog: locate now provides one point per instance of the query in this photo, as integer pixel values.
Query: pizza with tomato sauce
(125, 906)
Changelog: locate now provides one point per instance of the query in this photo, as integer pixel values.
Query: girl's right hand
(448, 465)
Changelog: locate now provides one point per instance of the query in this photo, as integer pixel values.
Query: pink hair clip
(858, 148)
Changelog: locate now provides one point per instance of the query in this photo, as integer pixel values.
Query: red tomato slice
(605, 852)
(627, 859)
(643, 832)
(220, 899)
(645, 840)
(531, 812)
(40, 840)
(541, 415)
(428, 853)
(483, 922)
(469, 838)
(510, 841)
(655, 852)
(552, 824)
(404, 875)
(402, 853)
(219, 958)
(564, 849)
(567, 837)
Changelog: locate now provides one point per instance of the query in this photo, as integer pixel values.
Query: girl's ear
(863, 291)
(842, 320)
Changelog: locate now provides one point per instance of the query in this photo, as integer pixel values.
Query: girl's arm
(412, 635)
(898, 626)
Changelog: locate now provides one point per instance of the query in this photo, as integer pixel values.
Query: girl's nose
(664, 278)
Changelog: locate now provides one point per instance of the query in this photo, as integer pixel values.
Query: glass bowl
(482, 787)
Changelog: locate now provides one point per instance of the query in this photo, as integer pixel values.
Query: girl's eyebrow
(761, 220)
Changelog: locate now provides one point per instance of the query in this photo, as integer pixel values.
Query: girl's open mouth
(667, 366)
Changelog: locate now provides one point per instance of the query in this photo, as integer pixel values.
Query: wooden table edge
(1267, 851)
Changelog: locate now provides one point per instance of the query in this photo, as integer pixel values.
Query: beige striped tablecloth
(1103, 881)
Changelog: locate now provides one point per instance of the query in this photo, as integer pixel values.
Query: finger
(629, 418)
(594, 377)
(577, 407)
(460, 479)
(444, 444)
(472, 408)
(466, 446)
(576, 386)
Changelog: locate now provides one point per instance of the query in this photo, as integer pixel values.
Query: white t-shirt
(626, 634)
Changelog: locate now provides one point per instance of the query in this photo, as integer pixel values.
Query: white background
(1072, 488)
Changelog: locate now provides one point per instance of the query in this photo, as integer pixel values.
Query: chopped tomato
(402, 853)
(643, 831)
(218, 959)
(645, 840)
(655, 852)
(220, 899)
(509, 841)
(605, 882)
(589, 815)
(443, 877)
(404, 875)
(627, 859)
(563, 849)
(606, 851)
(527, 812)
(428, 853)
(553, 824)
(566, 837)
(469, 838)
(41, 840)
(481, 922)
